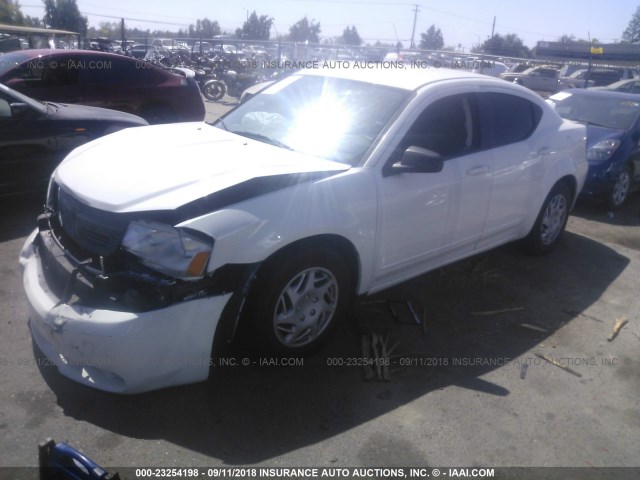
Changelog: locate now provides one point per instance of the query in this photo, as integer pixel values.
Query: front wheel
(551, 221)
(621, 189)
(297, 299)
(214, 90)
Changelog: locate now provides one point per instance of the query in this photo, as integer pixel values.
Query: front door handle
(479, 170)
(544, 151)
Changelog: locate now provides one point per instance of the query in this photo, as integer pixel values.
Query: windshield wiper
(597, 124)
(588, 122)
(261, 138)
(220, 122)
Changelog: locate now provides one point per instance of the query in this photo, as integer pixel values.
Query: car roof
(42, 52)
(395, 75)
(623, 82)
(598, 93)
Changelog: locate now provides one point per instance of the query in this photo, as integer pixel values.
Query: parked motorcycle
(230, 83)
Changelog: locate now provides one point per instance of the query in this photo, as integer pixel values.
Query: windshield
(603, 111)
(9, 61)
(20, 98)
(326, 117)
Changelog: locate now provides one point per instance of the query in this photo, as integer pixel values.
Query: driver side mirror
(5, 109)
(18, 109)
(417, 160)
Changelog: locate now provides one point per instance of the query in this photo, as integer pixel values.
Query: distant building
(606, 52)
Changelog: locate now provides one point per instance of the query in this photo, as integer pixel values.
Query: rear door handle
(479, 170)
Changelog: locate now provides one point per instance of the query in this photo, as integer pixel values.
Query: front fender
(343, 205)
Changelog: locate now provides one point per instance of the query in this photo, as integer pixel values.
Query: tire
(551, 222)
(214, 90)
(156, 114)
(621, 189)
(297, 299)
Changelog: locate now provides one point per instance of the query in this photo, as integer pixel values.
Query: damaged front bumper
(118, 351)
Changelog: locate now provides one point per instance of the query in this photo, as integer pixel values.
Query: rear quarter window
(506, 118)
(99, 70)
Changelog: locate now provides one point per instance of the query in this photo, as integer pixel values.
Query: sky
(462, 22)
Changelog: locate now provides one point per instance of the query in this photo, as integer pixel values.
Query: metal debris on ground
(403, 312)
(497, 312)
(424, 320)
(534, 327)
(620, 322)
(366, 355)
(553, 362)
(575, 313)
(376, 356)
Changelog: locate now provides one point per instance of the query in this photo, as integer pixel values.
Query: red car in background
(103, 80)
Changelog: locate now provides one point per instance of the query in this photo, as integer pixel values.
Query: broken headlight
(169, 250)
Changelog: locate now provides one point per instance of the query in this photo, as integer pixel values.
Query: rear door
(508, 124)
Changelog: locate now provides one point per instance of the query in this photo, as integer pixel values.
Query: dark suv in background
(103, 80)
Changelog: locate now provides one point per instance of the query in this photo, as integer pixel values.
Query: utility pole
(493, 28)
(415, 18)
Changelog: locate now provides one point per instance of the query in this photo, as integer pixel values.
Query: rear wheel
(621, 189)
(297, 299)
(551, 221)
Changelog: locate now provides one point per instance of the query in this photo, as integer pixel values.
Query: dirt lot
(465, 389)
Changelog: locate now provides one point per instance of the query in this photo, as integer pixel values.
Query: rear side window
(99, 70)
(507, 118)
(46, 72)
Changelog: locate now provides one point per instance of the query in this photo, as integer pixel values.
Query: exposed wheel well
(230, 319)
(570, 182)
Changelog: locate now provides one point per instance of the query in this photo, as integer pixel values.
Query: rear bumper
(116, 351)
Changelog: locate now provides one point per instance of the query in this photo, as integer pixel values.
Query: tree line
(65, 15)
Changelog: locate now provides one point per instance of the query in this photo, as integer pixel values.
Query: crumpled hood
(163, 167)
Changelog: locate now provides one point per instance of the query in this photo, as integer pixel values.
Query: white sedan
(329, 184)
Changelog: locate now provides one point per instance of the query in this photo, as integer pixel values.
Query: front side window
(445, 127)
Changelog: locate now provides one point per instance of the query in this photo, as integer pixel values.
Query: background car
(35, 137)
(544, 79)
(631, 85)
(589, 78)
(103, 80)
(491, 68)
(613, 136)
